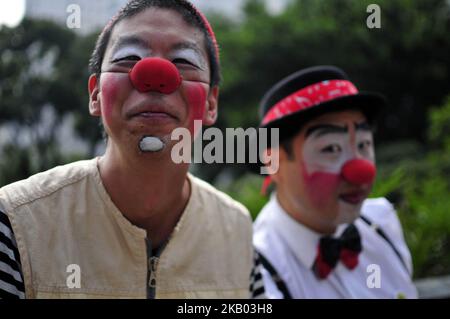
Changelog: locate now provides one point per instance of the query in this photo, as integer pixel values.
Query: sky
(11, 12)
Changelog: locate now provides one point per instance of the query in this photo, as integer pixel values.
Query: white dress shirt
(291, 248)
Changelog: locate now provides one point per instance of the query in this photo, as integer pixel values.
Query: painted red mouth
(354, 198)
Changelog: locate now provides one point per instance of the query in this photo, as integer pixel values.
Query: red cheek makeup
(196, 98)
(110, 88)
(321, 186)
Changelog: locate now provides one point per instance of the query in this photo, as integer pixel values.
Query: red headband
(308, 97)
(210, 31)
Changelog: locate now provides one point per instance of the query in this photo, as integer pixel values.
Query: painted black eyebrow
(323, 129)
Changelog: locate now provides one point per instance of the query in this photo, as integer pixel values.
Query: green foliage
(40, 71)
(408, 59)
(421, 190)
(32, 55)
(247, 191)
(420, 193)
(439, 133)
(15, 164)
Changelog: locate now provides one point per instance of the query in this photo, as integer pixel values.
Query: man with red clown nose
(319, 236)
(132, 223)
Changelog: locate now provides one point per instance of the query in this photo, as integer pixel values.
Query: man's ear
(211, 111)
(94, 103)
(271, 160)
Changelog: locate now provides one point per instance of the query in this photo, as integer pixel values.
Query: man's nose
(155, 74)
(359, 171)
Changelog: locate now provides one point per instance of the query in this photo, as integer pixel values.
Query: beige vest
(65, 217)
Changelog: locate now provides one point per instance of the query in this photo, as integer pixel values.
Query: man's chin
(348, 212)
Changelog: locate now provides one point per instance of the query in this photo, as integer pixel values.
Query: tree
(41, 82)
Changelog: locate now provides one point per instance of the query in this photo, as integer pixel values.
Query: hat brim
(370, 104)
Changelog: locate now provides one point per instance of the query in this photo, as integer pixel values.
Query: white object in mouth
(151, 144)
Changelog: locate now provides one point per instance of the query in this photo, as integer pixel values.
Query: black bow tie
(330, 250)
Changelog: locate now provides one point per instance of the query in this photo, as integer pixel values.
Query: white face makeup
(312, 180)
(134, 48)
(190, 56)
(329, 147)
(151, 144)
(129, 51)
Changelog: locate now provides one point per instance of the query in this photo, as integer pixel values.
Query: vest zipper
(152, 265)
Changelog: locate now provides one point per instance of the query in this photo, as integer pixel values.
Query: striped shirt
(11, 279)
(256, 282)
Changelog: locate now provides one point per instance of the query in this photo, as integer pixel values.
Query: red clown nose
(155, 74)
(359, 171)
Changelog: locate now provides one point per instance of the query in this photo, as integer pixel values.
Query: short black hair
(133, 7)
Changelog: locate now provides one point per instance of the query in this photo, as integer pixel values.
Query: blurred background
(44, 118)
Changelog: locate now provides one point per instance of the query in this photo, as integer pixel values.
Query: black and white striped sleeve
(256, 281)
(11, 279)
